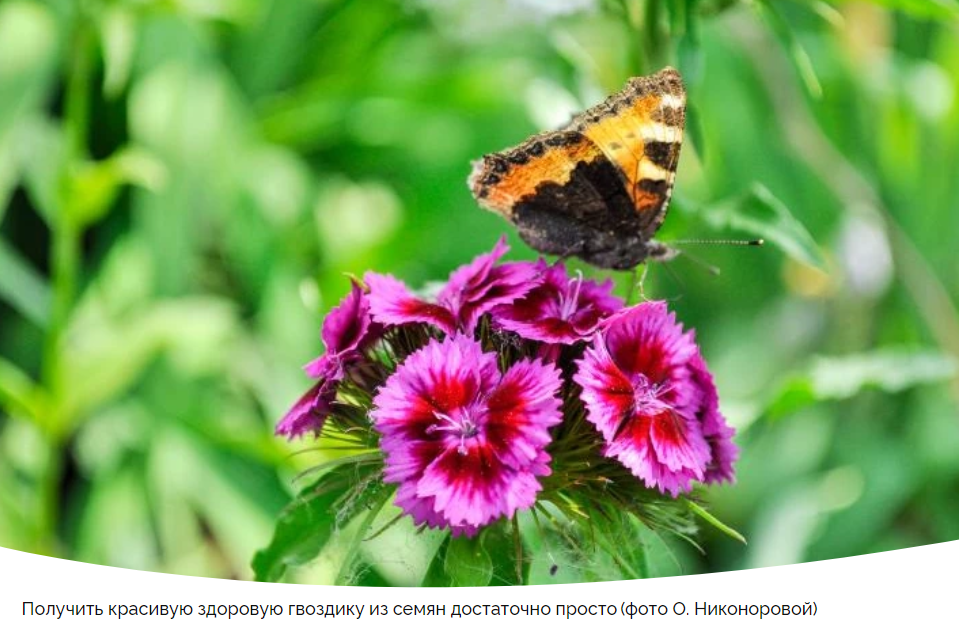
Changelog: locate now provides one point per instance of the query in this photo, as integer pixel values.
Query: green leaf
(762, 214)
(118, 34)
(305, 527)
(467, 562)
(375, 505)
(23, 287)
(116, 511)
(713, 521)
(95, 185)
(9, 173)
(436, 575)
(839, 378)
(504, 545)
(106, 354)
(890, 370)
(553, 553)
(797, 53)
(28, 56)
(695, 129)
(42, 153)
(795, 394)
(565, 549)
(689, 52)
(828, 13)
(691, 59)
(629, 556)
(939, 9)
(20, 395)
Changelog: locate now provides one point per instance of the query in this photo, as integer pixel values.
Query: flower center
(646, 401)
(462, 425)
(647, 395)
(569, 298)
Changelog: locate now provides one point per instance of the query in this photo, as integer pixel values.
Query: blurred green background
(185, 183)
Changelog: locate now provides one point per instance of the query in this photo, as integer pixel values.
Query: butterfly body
(599, 187)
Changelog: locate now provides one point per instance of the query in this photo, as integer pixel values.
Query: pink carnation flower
(648, 392)
(464, 442)
(472, 290)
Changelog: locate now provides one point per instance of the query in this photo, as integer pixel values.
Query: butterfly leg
(637, 281)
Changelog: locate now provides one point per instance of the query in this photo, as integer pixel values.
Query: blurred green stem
(632, 12)
(64, 261)
(654, 39)
(50, 499)
(65, 265)
(65, 252)
(77, 108)
(649, 41)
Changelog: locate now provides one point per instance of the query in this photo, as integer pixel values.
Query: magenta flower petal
(417, 507)
(464, 442)
(440, 378)
(471, 291)
(647, 390)
(346, 328)
(719, 434)
(520, 411)
(347, 325)
(320, 367)
(607, 391)
(479, 287)
(646, 340)
(309, 413)
(393, 303)
(639, 449)
(472, 279)
(474, 488)
(561, 309)
(346, 331)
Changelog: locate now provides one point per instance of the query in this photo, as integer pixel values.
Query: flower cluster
(517, 383)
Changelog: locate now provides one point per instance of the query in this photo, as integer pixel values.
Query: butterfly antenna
(632, 285)
(720, 242)
(712, 269)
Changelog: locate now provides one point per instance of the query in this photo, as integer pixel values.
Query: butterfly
(599, 187)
